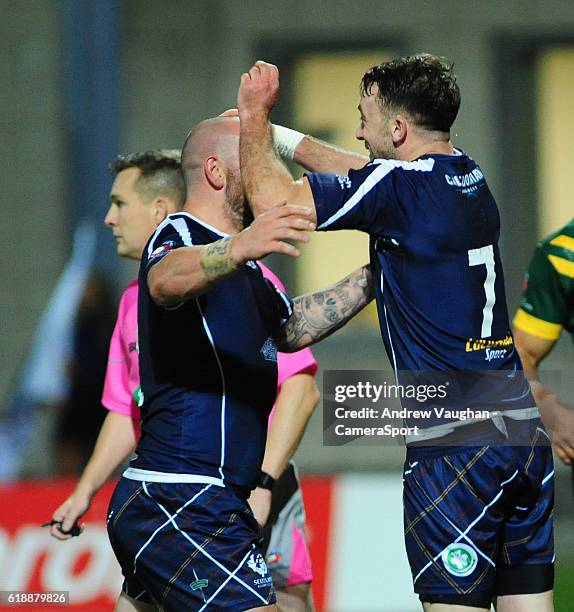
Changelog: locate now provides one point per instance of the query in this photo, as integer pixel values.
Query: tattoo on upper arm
(319, 314)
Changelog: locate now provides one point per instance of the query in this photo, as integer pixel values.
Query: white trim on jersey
(287, 302)
(223, 395)
(388, 328)
(385, 166)
(153, 476)
(159, 229)
(209, 227)
(179, 226)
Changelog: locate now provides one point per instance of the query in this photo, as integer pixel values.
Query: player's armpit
(319, 314)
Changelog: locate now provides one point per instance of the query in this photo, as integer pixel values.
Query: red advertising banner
(31, 561)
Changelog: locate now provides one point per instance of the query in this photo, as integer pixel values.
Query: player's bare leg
(438, 607)
(270, 608)
(126, 603)
(531, 602)
(296, 598)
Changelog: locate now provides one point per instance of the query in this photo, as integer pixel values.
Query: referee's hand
(67, 515)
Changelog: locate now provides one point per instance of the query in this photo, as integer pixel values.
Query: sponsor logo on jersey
(256, 562)
(494, 354)
(163, 249)
(459, 559)
(344, 181)
(466, 182)
(133, 346)
(480, 344)
(269, 350)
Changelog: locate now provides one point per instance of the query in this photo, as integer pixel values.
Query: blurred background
(83, 80)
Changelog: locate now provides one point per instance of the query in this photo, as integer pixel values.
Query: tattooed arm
(188, 272)
(319, 314)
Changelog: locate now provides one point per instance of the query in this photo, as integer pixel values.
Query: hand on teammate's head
(230, 112)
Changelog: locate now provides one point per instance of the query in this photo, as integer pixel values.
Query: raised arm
(187, 272)
(311, 153)
(319, 314)
(266, 179)
(315, 155)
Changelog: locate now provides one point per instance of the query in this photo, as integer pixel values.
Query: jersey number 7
(477, 257)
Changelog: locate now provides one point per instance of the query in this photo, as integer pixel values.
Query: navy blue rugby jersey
(434, 229)
(208, 370)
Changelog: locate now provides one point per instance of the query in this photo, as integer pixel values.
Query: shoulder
(559, 243)
(424, 164)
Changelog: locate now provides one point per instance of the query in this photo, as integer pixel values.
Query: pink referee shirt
(123, 374)
(121, 386)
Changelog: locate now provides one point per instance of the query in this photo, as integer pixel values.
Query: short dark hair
(424, 86)
(160, 169)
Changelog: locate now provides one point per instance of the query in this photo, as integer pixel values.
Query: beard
(235, 202)
(383, 149)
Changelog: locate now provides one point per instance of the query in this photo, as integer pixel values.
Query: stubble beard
(239, 214)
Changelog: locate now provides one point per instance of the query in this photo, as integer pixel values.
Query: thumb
(69, 521)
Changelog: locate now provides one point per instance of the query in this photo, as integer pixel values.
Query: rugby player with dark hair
(478, 491)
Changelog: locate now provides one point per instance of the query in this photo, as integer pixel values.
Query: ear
(214, 172)
(399, 130)
(160, 209)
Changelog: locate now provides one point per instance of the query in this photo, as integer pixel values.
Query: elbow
(310, 397)
(163, 292)
(313, 396)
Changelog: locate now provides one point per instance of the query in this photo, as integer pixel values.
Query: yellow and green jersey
(547, 304)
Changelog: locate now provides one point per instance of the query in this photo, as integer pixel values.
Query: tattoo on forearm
(216, 260)
(319, 314)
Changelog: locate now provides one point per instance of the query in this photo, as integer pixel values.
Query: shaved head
(217, 137)
(210, 164)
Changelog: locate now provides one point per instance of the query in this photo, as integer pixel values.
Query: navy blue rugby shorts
(188, 546)
(478, 521)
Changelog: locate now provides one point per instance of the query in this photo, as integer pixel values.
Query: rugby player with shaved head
(210, 325)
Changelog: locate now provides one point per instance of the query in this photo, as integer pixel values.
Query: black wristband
(265, 481)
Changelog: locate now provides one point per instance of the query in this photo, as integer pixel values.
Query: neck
(441, 147)
(209, 206)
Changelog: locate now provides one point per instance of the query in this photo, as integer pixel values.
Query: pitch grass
(564, 588)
